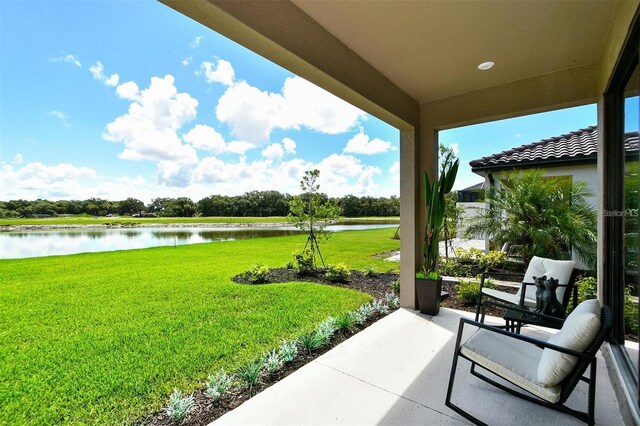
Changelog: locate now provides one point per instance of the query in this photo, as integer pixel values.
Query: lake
(49, 242)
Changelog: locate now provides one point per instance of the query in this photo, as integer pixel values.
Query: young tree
(546, 216)
(311, 212)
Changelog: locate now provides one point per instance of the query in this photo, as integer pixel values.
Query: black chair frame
(570, 294)
(586, 359)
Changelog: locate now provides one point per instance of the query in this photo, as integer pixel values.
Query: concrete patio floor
(396, 372)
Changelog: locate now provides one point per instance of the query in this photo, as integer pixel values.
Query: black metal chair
(563, 270)
(489, 345)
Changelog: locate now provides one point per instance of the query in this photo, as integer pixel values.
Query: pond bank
(118, 225)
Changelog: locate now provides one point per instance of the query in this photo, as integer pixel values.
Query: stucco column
(409, 211)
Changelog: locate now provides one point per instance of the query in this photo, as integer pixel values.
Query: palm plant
(546, 216)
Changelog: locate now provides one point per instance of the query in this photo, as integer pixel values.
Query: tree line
(253, 203)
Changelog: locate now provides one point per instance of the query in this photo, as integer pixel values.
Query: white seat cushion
(577, 333)
(508, 297)
(559, 269)
(512, 359)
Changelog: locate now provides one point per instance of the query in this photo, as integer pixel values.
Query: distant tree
(312, 211)
(180, 207)
(130, 206)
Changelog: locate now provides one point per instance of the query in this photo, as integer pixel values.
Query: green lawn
(87, 220)
(105, 337)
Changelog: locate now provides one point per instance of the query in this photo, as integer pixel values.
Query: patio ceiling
(391, 57)
(431, 49)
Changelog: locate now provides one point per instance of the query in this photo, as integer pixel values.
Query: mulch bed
(205, 410)
(376, 285)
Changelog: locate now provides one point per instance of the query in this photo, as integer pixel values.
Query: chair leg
(448, 402)
(479, 304)
(592, 394)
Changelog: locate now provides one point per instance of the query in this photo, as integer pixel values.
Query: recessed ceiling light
(486, 65)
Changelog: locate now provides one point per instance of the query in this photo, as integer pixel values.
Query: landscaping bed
(205, 409)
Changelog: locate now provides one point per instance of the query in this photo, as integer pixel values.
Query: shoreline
(118, 225)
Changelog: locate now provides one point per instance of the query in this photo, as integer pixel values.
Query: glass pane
(632, 222)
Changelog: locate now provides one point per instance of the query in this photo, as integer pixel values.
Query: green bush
(494, 259)
(370, 271)
(468, 290)
(259, 274)
(303, 262)
(395, 286)
(453, 268)
(338, 273)
(470, 255)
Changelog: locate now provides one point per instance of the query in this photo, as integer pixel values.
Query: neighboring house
(469, 200)
(573, 155)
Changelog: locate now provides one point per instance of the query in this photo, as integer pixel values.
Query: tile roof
(577, 146)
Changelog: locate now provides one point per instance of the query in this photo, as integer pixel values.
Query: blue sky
(111, 100)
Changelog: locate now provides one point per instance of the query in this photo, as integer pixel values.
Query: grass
(106, 337)
(88, 220)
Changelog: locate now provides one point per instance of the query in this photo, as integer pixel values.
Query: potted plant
(428, 280)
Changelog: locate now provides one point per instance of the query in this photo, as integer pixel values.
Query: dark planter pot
(428, 292)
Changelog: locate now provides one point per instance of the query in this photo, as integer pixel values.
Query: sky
(132, 99)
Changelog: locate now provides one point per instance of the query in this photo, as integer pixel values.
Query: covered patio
(415, 65)
(404, 381)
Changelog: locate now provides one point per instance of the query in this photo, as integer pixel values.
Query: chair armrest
(541, 316)
(540, 343)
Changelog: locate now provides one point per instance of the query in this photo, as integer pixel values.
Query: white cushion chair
(546, 372)
(562, 270)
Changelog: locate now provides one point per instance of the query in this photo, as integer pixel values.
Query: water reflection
(22, 244)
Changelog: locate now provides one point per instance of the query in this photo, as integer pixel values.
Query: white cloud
(174, 174)
(344, 174)
(17, 159)
(97, 70)
(361, 144)
(206, 138)
(239, 147)
(187, 61)
(72, 59)
(36, 180)
(128, 90)
(252, 114)
(196, 42)
(394, 171)
(149, 129)
(273, 152)
(221, 72)
(289, 145)
(61, 116)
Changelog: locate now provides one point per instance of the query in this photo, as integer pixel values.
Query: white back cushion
(577, 333)
(559, 269)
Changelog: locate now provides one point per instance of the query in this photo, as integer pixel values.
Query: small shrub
(303, 262)
(272, 361)
(218, 384)
(346, 321)
(468, 290)
(259, 274)
(380, 306)
(327, 327)
(312, 341)
(289, 265)
(249, 374)
(470, 255)
(338, 273)
(494, 259)
(392, 300)
(179, 406)
(587, 288)
(370, 271)
(363, 313)
(288, 350)
(395, 286)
